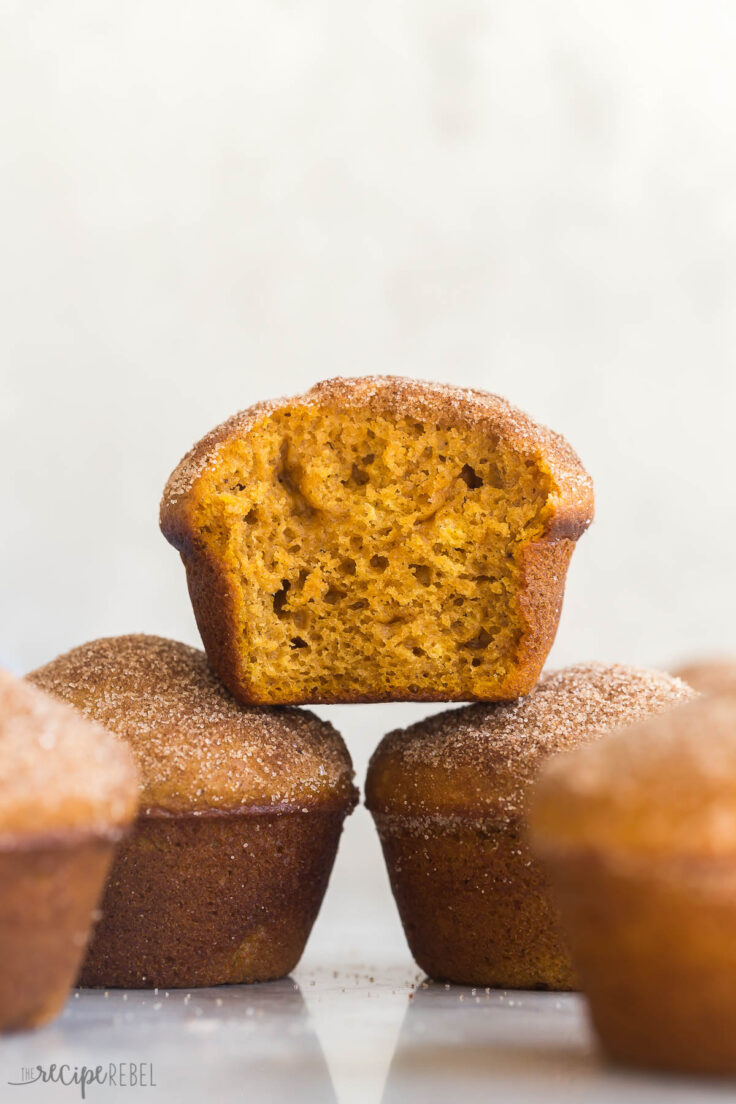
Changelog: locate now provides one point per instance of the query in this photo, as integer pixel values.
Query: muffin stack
(374, 540)
(383, 539)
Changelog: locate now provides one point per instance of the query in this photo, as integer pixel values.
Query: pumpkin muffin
(378, 539)
(68, 792)
(714, 675)
(448, 796)
(241, 812)
(639, 836)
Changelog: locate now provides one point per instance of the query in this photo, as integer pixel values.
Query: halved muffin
(378, 539)
(68, 792)
(639, 837)
(241, 813)
(448, 796)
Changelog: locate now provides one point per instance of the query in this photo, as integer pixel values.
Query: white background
(205, 204)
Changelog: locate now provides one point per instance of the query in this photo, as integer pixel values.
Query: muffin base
(475, 905)
(199, 900)
(655, 949)
(49, 891)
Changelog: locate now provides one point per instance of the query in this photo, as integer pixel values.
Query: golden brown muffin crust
(213, 900)
(480, 760)
(198, 749)
(60, 774)
(664, 787)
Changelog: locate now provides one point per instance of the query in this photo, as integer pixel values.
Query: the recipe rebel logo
(115, 1075)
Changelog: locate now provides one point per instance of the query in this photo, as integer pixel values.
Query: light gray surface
(354, 1034)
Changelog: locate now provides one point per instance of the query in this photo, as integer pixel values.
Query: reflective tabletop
(349, 1028)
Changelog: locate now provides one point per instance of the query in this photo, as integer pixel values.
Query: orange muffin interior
(374, 549)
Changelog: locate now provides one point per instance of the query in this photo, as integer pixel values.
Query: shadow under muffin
(241, 814)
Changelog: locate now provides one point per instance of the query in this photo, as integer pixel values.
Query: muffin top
(716, 675)
(392, 396)
(58, 771)
(665, 786)
(197, 748)
(479, 761)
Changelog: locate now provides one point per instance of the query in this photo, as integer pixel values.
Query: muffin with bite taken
(378, 539)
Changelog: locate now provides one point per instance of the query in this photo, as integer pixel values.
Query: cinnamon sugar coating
(479, 761)
(198, 749)
(665, 787)
(60, 774)
(449, 797)
(396, 395)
